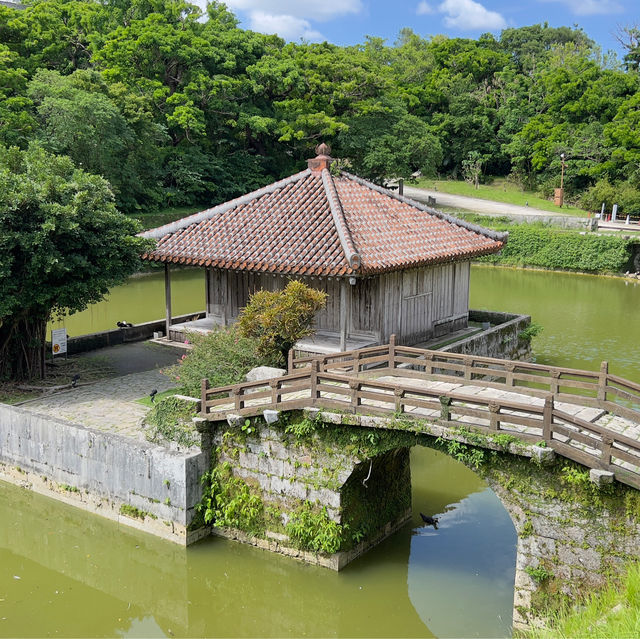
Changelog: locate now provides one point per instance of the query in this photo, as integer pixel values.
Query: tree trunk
(22, 342)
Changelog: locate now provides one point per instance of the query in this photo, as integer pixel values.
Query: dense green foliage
(551, 248)
(170, 420)
(278, 319)
(222, 356)
(176, 108)
(63, 245)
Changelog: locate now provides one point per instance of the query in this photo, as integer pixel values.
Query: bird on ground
(74, 380)
(430, 521)
(124, 324)
(153, 394)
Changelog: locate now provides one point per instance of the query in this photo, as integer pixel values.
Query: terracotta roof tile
(316, 224)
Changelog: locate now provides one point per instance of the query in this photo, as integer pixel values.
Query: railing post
(399, 394)
(354, 385)
(509, 367)
(204, 387)
(554, 382)
(274, 383)
(313, 384)
(494, 421)
(602, 381)
(356, 362)
(290, 361)
(392, 351)
(547, 418)
(468, 363)
(237, 398)
(428, 363)
(445, 408)
(606, 451)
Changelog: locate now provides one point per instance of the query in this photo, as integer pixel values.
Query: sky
(346, 22)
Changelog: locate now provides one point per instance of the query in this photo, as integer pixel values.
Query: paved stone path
(108, 405)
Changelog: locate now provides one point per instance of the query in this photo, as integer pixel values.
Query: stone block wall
(101, 471)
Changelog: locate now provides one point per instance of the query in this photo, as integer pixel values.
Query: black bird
(430, 521)
(153, 394)
(124, 324)
(74, 380)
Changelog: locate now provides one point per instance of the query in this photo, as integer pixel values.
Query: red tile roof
(313, 223)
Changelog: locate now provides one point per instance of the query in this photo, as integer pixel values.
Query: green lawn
(500, 190)
(154, 219)
(613, 612)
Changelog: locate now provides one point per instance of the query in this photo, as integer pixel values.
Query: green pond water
(64, 572)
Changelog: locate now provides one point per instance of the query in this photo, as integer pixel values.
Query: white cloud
(424, 9)
(471, 15)
(303, 9)
(286, 26)
(591, 7)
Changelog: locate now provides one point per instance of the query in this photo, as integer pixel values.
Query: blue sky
(349, 21)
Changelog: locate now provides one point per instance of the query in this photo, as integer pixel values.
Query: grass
(154, 219)
(499, 190)
(146, 401)
(611, 612)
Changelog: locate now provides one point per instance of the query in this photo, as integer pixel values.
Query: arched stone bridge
(529, 410)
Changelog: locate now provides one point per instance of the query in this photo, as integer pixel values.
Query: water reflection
(69, 573)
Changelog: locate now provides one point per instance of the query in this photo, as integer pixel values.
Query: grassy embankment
(613, 612)
(499, 190)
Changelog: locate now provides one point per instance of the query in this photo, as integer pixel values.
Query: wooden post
(167, 298)
(344, 316)
(354, 385)
(204, 387)
(237, 402)
(274, 383)
(602, 381)
(554, 381)
(468, 363)
(315, 369)
(445, 408)
(547, 418)
(290, 361)
(399, 394)
(428, 365)
(509, 367)
(494, 421)
(392, 351)
(606, 451)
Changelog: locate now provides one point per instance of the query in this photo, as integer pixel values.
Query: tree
(472, 168)
(63, 245)
(278, 319)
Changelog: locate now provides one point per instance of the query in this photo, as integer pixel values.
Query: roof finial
(322, 161)
(323, 149)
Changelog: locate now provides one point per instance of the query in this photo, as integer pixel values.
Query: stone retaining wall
(502, 340)
(101, 471)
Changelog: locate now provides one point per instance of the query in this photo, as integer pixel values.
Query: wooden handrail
(317, 385)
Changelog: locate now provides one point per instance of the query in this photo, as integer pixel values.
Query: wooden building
(388, 264)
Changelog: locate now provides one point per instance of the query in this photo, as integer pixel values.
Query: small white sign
(59, 341)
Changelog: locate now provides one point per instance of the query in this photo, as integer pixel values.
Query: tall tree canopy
(63, 245)
(175, 105)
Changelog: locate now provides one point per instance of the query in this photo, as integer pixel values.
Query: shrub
(278, 319)
(223, 356)
(170, 420)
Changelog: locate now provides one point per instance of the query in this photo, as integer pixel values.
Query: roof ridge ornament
(322, 161)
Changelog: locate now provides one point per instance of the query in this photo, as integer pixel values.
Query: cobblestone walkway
(108, 405)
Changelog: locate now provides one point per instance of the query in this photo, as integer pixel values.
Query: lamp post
(558, 195)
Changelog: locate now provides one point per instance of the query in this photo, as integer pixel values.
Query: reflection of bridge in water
(589, 417)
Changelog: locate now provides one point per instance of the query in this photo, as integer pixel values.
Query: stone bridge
(329, 442)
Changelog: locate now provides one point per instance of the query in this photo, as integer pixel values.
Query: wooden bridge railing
(596, 389)
(585, 442)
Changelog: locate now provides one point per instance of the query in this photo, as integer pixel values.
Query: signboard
(59, 341)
